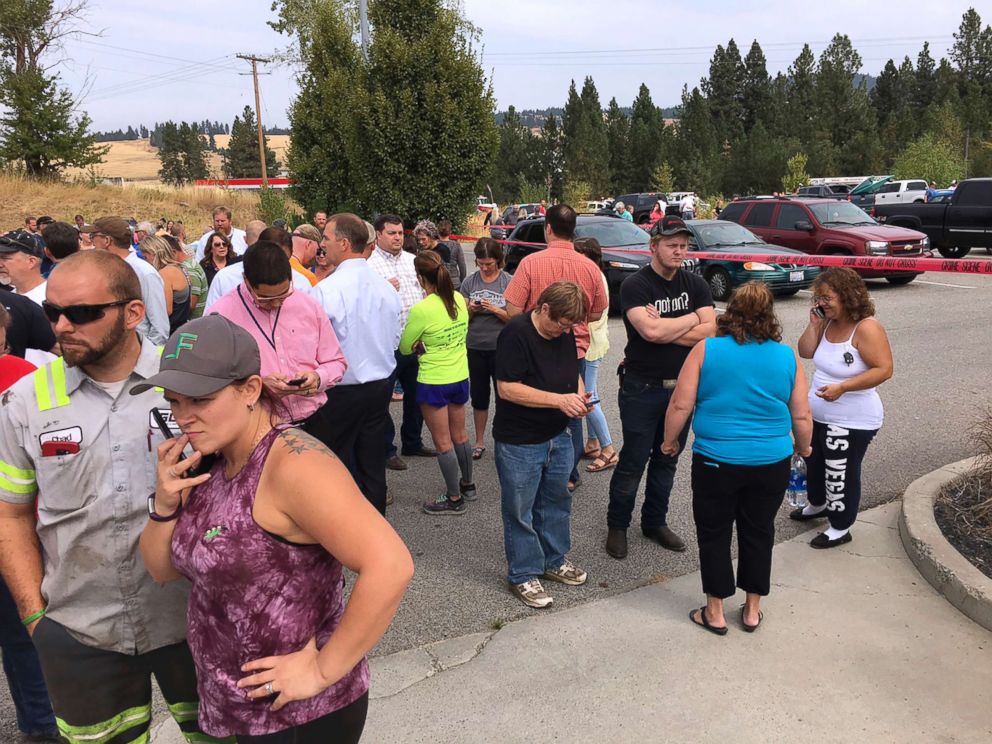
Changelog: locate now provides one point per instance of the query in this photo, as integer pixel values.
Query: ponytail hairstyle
(430, 268)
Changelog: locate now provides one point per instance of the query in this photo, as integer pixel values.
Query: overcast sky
(174, 60)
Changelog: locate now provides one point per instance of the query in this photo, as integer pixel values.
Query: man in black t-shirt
(29, 328)
(666, 311)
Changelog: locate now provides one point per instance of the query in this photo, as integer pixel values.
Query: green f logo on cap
(184, 341)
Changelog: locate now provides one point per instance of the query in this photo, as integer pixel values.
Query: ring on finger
(268, 689)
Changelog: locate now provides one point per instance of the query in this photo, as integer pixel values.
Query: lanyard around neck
(275, 323)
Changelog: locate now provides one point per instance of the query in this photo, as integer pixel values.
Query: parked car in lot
(784, 279)
(902, 192)
(625, 247)
(863, 195)
(592, 207)
(838, 191)
(954, 223)
(824, 227)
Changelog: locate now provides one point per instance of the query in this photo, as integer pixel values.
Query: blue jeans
(412, 426)
(643, 406)
(23, 671)
(596, 419)
(575, 431)
(536, 505)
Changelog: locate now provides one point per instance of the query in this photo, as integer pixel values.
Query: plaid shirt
(559, 262)
(386, 265)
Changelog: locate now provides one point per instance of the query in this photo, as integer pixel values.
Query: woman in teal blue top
(751, 413)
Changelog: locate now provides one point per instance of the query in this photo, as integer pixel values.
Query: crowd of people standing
(196, 404)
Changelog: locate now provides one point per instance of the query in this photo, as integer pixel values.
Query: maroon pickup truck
(826, 226)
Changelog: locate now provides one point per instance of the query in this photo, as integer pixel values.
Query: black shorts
(106, 696)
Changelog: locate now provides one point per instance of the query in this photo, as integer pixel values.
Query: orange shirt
(559, 262)
(297, 266)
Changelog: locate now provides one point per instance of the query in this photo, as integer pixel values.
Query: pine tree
(924, 79)
(552, 158)
(723, 89)
(618, 142)
(802, 102)
(181, 154)
(194, 152)
(241, 156)
(587, 157)
(646, 125)
(511, 162)
(756, 90)
(695, 158)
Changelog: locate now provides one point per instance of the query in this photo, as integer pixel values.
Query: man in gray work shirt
(72, 438)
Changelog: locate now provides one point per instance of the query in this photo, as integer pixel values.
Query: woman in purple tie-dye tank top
(262, 537)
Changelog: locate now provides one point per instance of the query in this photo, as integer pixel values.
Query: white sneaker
(532, 594)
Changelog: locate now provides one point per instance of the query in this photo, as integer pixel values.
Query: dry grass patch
(964, 508)
(20, 197)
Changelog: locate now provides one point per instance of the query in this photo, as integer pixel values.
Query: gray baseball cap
(203, 356)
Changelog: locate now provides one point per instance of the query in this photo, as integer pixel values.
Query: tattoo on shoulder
(298, 442)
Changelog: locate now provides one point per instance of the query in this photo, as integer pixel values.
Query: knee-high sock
(464, 453)
(448, 463)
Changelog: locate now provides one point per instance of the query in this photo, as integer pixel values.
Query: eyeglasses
(565, 326)
(817, 299)
(80, 314)
(266, 301)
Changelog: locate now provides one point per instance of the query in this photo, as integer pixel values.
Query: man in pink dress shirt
(301, 357)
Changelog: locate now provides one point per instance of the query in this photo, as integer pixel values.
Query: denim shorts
(454, 393)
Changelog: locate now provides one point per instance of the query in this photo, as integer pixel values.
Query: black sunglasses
(79, 314)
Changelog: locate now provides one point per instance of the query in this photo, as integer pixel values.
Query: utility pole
(363, 19)
(258, 113)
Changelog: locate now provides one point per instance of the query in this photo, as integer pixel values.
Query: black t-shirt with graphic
(683, 294)
(523, 355)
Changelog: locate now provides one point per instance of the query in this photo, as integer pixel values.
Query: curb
(950, 573)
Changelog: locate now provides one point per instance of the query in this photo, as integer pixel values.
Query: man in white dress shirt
(223, 225)
(364, 310)
(114, 234)
(20, 265)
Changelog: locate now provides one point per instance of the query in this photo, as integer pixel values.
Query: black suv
(625, 247)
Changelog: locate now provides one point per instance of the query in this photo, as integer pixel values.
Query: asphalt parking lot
(940, 328)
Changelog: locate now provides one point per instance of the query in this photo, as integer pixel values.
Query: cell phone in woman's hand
(819, 312)
(206, 461)
(297, 382)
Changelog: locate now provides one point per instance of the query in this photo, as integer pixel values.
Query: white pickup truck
(902, 192)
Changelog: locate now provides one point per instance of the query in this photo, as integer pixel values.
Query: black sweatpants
(355, 419)
(106, 696)
(481, 376)
(750, 496)
(343, 726)
(833, 471)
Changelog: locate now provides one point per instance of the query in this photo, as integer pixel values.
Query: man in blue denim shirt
(666, 311)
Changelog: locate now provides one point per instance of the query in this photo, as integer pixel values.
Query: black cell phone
(297, 381)
(591, 403)
(206, 461)
(819, 311)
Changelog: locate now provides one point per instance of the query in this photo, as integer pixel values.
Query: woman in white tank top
(852, 356)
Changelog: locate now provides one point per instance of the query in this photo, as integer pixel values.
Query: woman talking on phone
(262, 537)
(851, 352)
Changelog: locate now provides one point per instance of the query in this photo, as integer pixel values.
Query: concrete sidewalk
(855, 647)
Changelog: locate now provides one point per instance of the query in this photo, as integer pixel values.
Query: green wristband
(34, 616)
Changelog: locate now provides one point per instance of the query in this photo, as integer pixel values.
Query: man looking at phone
(75, 441)
(301, 357)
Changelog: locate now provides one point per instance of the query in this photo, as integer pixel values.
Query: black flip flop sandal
(705, 625)
(751, 628)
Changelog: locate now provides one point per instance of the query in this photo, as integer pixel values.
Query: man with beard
(75, 440)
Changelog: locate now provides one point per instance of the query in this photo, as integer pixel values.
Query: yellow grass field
(136, 160)
(20, 197)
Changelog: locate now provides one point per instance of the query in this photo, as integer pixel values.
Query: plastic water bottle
(796, 489)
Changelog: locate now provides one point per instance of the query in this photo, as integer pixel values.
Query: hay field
(136, 160)
(21, 197)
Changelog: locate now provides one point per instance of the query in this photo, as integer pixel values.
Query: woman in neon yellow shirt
(436, 329)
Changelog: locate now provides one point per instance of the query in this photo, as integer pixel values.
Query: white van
(902, 192)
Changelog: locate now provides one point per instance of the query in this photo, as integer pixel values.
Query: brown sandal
(603, 463)
(591, 454)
